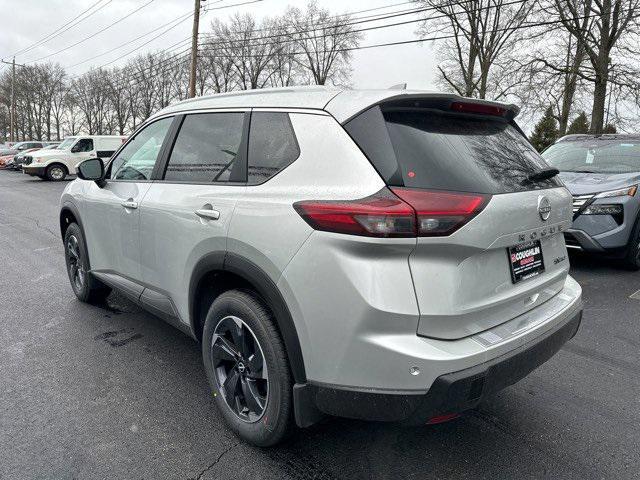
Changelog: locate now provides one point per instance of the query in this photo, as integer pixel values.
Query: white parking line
(635, 296)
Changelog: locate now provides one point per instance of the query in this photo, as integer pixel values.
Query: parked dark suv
(602, 172)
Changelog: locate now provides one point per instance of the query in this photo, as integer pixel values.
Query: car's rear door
(111, 216)
(186, 213)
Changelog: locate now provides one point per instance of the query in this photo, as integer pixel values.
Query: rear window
(432, 149)
(595, 155)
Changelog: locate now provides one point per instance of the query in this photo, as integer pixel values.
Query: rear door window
(433, 149)
(272, 145)
(207, 148)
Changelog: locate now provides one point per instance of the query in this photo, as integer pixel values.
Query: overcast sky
(27, 21)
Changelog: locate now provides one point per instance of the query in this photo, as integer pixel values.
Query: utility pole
(12, 109)
(194, 49)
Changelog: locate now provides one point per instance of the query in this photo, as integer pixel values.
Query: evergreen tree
(580, 124)
(545, 132)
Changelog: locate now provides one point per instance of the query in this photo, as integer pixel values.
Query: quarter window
(272, 145)
(138, 157)
(207, 148)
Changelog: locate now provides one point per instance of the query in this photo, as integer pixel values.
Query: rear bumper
(450, 393)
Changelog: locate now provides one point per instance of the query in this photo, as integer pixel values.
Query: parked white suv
(371, 254)
(57, 164)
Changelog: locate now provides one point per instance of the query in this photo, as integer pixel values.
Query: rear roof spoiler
(347, 105)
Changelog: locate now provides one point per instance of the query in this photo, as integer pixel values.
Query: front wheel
(86, 288)
(247, 368)
(56, 172)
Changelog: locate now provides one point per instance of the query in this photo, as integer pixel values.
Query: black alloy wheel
(239, 368)
(75, 263)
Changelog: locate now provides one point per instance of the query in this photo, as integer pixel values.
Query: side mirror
(75, 149)
(92, 169)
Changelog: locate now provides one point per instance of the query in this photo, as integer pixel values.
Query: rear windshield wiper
(544, 174)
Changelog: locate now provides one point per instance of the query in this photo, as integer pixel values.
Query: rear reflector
(478, 108)
(402, 212)
(442, 418)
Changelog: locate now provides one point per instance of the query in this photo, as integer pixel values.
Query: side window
(137, 159)
(84, 145)
(206, 148)
(272, 145)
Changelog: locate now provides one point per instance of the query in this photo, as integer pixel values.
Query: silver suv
(382, 255)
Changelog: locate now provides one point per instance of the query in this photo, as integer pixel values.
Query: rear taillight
(380, 215)
(441, 213)
(402, 212)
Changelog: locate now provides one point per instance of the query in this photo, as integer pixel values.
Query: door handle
(130, 204)
(208, 213)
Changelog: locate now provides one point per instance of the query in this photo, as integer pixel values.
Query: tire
(259, 409)
(84, 285)
(632, 256)
(56, 172)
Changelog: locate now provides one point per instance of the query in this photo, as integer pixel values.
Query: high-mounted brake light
(478, 108)
(401, 212)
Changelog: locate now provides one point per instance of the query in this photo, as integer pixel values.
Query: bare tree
(476, 59)
(324, 42)
(250, 57)
(604, 29)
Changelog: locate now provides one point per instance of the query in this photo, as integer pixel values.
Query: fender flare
(76, 213)
(266, 288)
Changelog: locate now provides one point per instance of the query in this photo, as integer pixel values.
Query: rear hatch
(506, 254)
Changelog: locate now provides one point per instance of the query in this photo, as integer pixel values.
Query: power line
(349, 23)
(92, 35)
(435, 38)
(205, 10)
(128, 42)
(164, 32)
(363, 47)
(63, 28)
(218, 41)
(165, 61)
(334, 17)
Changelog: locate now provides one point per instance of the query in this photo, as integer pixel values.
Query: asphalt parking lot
(91, 392)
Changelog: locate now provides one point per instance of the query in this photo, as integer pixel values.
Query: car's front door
(185, 215)
(112, 218)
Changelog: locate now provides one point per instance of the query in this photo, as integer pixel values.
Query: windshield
(595, 156)
(66, 144)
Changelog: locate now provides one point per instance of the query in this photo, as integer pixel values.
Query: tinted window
(439, 150)
(272, 145)
(595, 155)
(207, 148)
(138, 157)
(83, 145)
